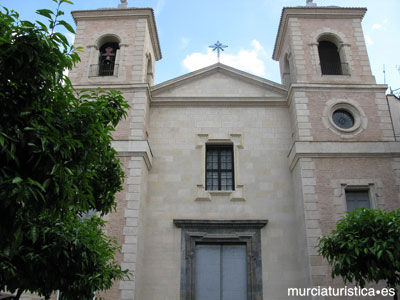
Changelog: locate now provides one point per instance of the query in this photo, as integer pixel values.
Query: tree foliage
(365, 247)
(56, 163)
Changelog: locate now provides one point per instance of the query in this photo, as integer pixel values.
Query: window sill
(220, 193)
(336, 75)
(235, 195)
(102, 76)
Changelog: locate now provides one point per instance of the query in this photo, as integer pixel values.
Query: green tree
(56, 164)
(365, 247)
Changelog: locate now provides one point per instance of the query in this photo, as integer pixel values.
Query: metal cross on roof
(219, 47)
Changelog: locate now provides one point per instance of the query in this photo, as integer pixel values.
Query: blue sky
(187, 27)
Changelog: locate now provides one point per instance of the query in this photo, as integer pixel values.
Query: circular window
(343, 119)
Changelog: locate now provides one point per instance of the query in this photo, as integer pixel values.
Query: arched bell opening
(108, 53)
(331, 56)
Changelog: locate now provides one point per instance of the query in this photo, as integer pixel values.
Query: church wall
(134, 126)
(394, 106)
(321, 182)
(332, 175)
(263, 170)
(124, 127)
(300, 116)
(372, 105)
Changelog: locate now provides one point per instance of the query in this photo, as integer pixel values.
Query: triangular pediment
(219, 82)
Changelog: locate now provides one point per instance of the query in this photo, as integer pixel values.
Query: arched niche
(149, 69)
(286, 75)
(108, 46)
(331, 55)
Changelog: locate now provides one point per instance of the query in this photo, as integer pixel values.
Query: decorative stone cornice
(330, 12)
(216, 101)
(190, 223)
(134, 148)
(93, 46)
(117, 86)
(342, 149)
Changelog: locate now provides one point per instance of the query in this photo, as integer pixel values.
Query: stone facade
(292, 163)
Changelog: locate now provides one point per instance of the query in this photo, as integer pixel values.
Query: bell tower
(339, 118)
(322, 45)
(324, 64)
(119, 49)
(118, 46)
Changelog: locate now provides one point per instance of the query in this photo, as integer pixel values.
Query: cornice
(193, 223)
(121, 87)
(341, 149)
(134, 148)
(218, 101)
(112, 86)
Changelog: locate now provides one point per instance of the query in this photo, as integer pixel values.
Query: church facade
(231, 178)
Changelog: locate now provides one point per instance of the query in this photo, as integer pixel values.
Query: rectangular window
(357, 199)
(221, 272)
(219, 168)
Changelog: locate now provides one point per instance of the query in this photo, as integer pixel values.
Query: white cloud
(380, 26)
(198, 60)
(377, 26)
(250, 59)
(368, 40)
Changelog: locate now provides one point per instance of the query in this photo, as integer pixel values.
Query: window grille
(330, 59)
(219, 168)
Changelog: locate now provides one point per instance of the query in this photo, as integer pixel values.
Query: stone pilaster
(300, 115)
(312, 220)
(139, 164)
(396, 169)
(385, 121)
(140, 113)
